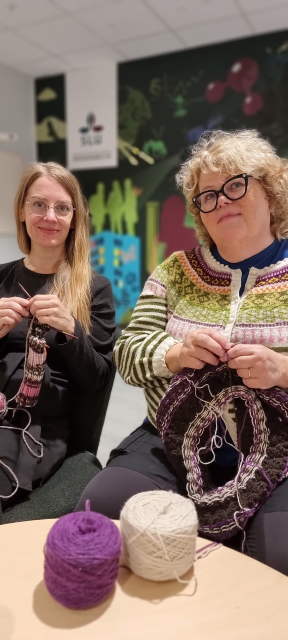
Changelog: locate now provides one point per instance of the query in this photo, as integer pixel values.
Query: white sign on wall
(91, 105)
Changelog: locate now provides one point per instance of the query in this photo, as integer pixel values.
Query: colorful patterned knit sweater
(191, 290)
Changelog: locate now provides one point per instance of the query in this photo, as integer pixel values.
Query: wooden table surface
(236, 598)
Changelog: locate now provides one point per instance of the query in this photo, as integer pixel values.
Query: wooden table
(236, 598)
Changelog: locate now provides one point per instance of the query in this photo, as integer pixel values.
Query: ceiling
(46, 37)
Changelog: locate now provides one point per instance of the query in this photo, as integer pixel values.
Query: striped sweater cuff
(159, 367)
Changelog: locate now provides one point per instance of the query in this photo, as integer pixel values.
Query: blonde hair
(72, 281)
(234, 152)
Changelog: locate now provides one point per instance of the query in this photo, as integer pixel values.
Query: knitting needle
(29, 297)
(27, 294)
(69, 334)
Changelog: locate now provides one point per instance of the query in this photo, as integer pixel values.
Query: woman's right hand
(12, 312)
(199, 347)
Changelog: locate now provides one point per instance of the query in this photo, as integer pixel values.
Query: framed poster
(91, 99)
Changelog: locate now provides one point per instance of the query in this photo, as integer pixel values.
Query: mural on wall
(115, 248)
(50, 119)
(138, 216)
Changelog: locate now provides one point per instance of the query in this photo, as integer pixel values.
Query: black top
(84, 362)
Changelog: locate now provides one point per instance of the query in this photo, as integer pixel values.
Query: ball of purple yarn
(82, 555)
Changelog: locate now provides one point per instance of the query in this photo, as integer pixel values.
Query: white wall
(16, 116)
(17, 112)
(9, 249)
(11, 169)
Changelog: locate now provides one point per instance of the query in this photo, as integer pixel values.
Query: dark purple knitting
(187, 420)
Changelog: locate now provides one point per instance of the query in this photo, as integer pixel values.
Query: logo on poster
(91, 134)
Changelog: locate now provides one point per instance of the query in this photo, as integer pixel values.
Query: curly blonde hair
(234, 152)
(72, 281)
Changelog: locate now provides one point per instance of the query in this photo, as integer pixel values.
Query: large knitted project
(189, 422)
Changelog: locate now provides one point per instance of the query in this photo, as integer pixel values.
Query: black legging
(139, 464)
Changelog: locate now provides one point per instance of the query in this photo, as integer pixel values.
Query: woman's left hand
(48, 309)
(258, 366)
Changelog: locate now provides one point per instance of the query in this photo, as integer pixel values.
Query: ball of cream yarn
(159, 530)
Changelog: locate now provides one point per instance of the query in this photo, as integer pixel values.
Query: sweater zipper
(236, 315)
(240, 301)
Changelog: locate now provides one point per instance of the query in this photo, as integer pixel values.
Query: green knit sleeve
(140, 351)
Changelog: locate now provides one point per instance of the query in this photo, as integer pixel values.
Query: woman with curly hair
(208, 342)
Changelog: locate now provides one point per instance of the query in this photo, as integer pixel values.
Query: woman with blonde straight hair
(72, 280)
(56, 328)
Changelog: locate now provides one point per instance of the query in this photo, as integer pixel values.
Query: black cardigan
(84, 362)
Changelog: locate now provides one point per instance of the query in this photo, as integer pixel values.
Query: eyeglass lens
(233, 189)
(39, 207)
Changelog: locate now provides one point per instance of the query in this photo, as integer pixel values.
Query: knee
(267, 540)
(99, 492)
(111, 488)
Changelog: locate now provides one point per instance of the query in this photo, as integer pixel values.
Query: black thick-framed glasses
(233, 189)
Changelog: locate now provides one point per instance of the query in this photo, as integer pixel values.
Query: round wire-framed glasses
(39, 207)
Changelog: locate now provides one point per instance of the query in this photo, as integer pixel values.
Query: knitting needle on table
(29, 298)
